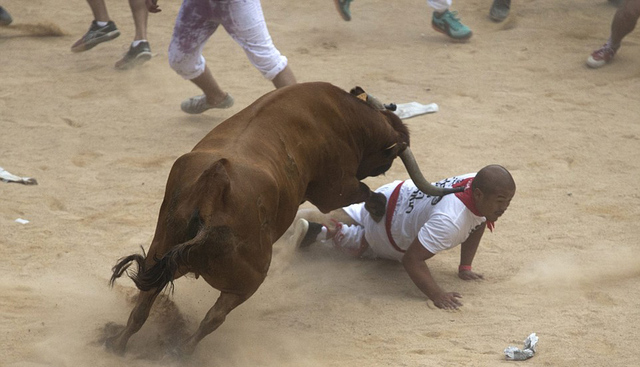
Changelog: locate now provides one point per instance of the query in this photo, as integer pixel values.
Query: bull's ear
(356, 91)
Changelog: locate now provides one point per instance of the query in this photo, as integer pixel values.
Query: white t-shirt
(439, 222)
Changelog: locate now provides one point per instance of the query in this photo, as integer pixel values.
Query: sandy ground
(563, 261)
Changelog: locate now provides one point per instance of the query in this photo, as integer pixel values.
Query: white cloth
(439, 223)
(439, 5)
(244, 21)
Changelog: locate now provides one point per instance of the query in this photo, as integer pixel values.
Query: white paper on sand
(529, 349)
(22, 221)
(6, 176)
(407, 110)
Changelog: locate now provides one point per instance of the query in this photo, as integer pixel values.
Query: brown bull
(230, 198)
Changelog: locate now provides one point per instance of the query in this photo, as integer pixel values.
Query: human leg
(99, 10)
(194, 26)
(624, 22)
(339, 228)
(447, 22)
(140, 51)
(246, 25)
(284, 78)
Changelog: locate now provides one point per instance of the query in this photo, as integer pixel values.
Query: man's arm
(468, 252)
(414, 263)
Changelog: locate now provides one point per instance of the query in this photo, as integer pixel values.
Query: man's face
(493, 205)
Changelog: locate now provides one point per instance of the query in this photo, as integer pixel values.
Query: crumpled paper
(517, 354)
(6, 176)
(407, 110)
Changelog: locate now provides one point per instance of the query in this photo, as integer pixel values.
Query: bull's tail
(213, 183)
(164, 270)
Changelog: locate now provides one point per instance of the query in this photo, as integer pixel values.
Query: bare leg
(314, 215)
(214, 318)
(210, 87)
(137, 318)
(99, 10)
(284, 78)
(624, 21)
(140, 15)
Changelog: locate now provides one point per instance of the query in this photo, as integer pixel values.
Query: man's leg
(194, 26)
(249, 30)
(624, 22)
(284, 78)
(99, 10)
(140, 50)
(140, 16)
(336, 227)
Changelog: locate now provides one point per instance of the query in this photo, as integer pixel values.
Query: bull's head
(401, 149)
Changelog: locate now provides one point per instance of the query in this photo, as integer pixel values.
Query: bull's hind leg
(214, 318)
(118, 343)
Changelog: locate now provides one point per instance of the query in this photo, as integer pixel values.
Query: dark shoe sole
(140, 59)
(461, 39)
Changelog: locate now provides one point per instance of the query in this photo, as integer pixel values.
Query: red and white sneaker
(601, 56)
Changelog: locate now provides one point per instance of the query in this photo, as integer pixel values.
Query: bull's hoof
(376, 205)
(114, 345)
(179, 353)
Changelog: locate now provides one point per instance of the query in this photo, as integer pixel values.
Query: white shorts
(244, 21)
(375, 233)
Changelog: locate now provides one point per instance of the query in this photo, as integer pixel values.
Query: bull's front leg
(376, 205)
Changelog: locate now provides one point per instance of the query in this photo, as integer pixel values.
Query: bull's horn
(419, 180)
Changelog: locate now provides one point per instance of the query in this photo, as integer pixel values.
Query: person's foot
(135, 56)
(601, 56)
(95, 36)
(305, 233)
(343, 8)
(5, 17)
(448, 23)
(199, 104)
(500, 10)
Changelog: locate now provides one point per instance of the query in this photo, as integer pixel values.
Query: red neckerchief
(466, 197)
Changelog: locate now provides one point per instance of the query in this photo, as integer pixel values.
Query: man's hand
(447, 301)
(152, 6)
(469, 275)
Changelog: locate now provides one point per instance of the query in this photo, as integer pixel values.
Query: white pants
(374, 232)
(439, 5)
(244, 21)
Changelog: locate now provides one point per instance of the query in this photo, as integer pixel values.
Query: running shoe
(95, 36)
(343, 8)
(135, 56)
(601, 56)
(448, 23)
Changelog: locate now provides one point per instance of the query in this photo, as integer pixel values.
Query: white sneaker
(305, 233)
(198, 104)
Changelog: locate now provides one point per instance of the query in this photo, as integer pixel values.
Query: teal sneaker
(448, 23)
(343, 8)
